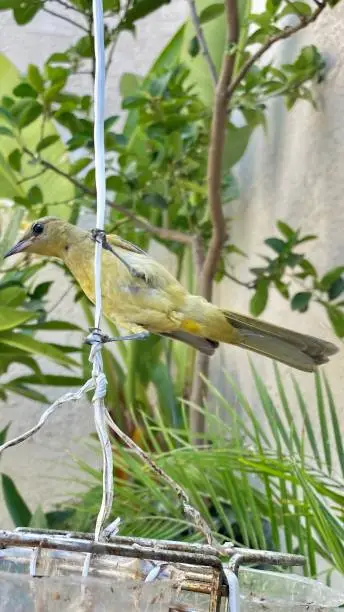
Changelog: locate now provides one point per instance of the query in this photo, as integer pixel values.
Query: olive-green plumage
(149, 298)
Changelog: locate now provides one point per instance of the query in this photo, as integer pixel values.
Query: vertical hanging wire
(99, 152)
(99, 407)
(95, 354)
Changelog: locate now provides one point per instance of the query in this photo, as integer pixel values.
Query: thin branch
(161, 232)
(215, 159)
(201, 40)
(190, 512)
(111, 51)
(248, 285)
(32, 176)
(286, 33)
(115, 35)
(91, 37)
(69, 7)
(64, 18)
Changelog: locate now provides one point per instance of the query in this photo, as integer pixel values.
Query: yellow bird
(142, 297)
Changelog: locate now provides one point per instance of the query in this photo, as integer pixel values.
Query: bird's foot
(96, 335)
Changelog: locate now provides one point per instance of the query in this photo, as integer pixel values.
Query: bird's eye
(37, 228)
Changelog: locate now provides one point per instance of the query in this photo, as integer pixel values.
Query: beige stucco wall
(294, 173)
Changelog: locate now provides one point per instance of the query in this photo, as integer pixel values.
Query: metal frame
(202, 567)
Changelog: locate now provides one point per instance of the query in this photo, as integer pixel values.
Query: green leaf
(110, 121)
(38, 519)
(24, 90)
(301, 300)
(41, 290)
(8, 182)
(12, 296)
(259, 300)
(4, 131)
(272, 6)
(35, 195)
(51, 380)
(140, 10)
(8, 4)
(285, 229)
(12, 229)
(116, 183)
(31, 345)
(336, 317)
(3, 434)
(230, 187)
(19, 389)
(35, 79)
(154, 199)
(296, 8)
(84, 46)
(335, 425)
(46, 142)
(282, 288)
(308, 268)
(58, 58)
(14, 159)
(194, 47)
(16, 506)
(30, 113)
(55, 326)
(211, 12)
(26, 10)
(129, 84)
(237, 139)
(10, 318)
(134, 102)
(79, 165)
(330, 277)
(307, 238)
(336, 288)
(276, 244)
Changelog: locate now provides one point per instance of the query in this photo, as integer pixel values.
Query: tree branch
(226, 86)
(161, 232)
(201, 40)
(215, 159)
(248, 284)
(64, 18)
(70, 7)
(288, 31)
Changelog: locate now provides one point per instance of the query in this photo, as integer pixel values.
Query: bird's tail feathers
(297, 350)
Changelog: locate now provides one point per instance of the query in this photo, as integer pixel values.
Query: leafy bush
(260, 480)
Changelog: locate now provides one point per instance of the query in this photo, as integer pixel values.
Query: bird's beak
(19, 247)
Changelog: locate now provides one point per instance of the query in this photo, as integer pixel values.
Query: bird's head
(46, 236)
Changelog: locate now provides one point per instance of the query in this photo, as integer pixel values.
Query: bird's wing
(142, 265)
(117, 241)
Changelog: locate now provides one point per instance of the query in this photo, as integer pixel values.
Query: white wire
(233, 590)
(99, 152)
(95, 355)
